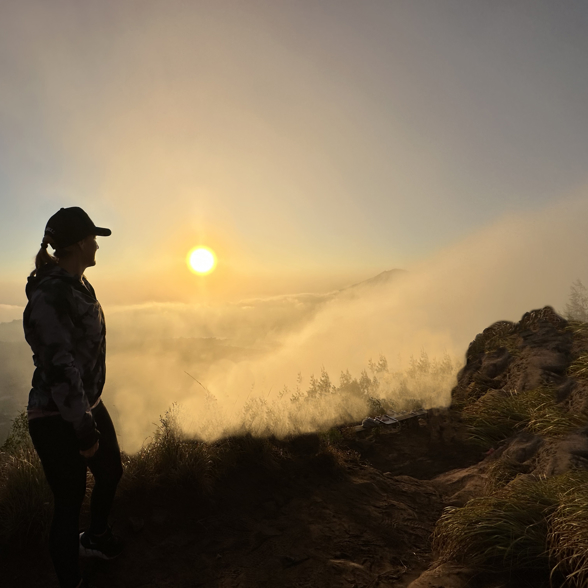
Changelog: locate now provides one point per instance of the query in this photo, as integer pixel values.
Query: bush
(169, 457)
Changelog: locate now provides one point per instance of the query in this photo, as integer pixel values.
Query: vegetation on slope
(531, 524)
(496, 416)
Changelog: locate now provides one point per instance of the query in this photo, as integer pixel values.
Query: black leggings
(65, 470)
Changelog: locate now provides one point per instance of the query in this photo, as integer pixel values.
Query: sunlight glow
(201, 260)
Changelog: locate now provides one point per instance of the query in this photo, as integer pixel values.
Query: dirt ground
(359, 515)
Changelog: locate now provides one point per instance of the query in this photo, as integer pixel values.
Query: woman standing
(68, 422)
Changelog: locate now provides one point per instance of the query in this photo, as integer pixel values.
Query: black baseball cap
(70, 225)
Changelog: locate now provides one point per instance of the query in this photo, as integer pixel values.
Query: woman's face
(89, 247)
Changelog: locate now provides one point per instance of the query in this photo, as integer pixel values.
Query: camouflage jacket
(64, 325)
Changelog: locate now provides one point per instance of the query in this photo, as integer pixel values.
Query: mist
(247, 366)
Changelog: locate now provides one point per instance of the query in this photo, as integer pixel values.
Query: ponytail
(44, 258)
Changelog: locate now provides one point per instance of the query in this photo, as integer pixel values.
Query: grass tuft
(506, 530)
(579, 367)
(497, 415)
(579, 329)
(531, 524)
(501, 472)
(568, 534)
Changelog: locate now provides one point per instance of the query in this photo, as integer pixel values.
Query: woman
(68, 423)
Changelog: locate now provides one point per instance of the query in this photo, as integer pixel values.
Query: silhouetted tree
(380, 366)
(577, 306)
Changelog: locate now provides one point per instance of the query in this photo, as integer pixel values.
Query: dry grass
(25, 498)
(510, 528)
(505, 530)
(500, 472)
(579, 367)
(579, 329)
(168, 458)
(568, 533)
(531, 524)
(496, 416)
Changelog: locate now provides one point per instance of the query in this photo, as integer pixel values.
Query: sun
(201, 260)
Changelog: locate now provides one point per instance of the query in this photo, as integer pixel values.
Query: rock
(459, 486)
(444, 576)
(523, 447)
(569, 453)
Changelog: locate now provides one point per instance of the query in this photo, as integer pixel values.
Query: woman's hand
(90, 452)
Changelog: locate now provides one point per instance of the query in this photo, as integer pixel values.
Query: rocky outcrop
(513, 361)
(515, 357)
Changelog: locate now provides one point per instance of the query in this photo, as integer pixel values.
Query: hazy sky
(310, 143)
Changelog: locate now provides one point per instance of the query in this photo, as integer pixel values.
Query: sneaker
(107, 546)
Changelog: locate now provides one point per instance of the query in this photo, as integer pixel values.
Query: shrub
(169, 457)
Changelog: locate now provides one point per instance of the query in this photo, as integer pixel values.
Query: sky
(310, 144)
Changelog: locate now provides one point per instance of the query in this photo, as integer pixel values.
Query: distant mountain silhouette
(381, 279)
